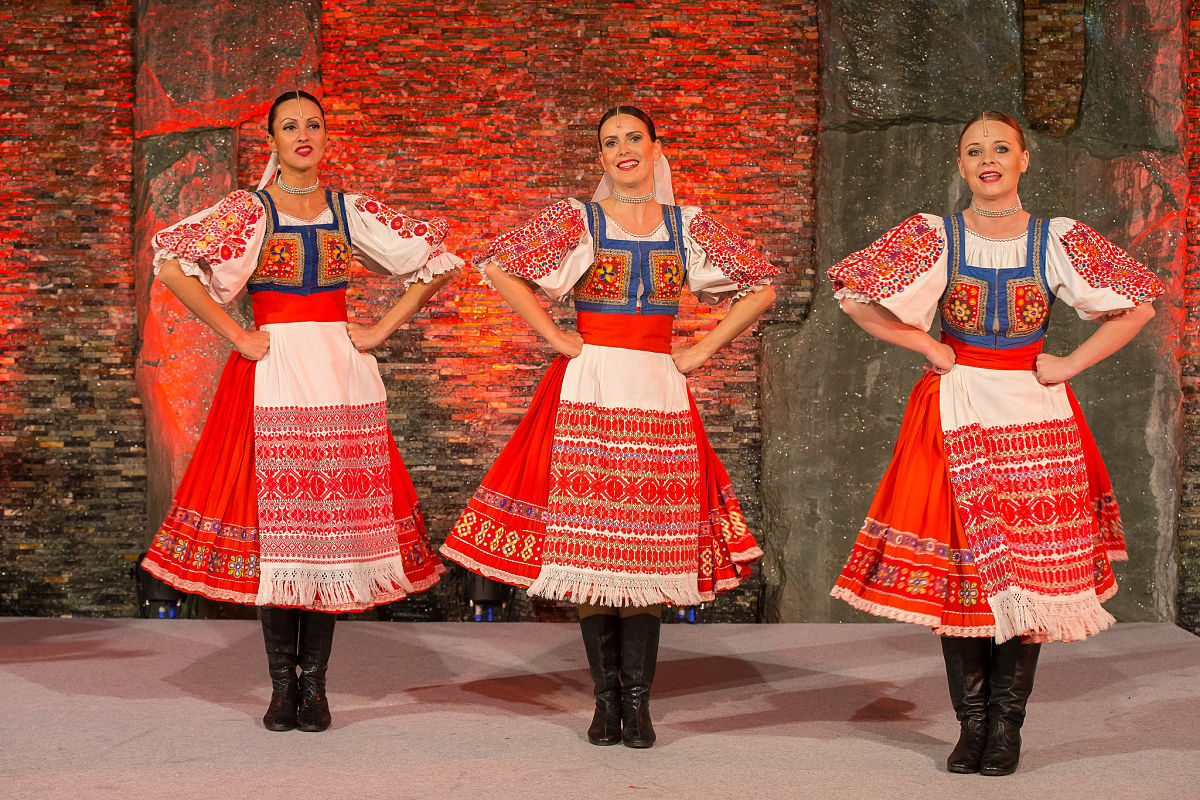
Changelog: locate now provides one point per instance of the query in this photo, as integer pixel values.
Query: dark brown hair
(994, 116)
(295, 94)
(631, 111)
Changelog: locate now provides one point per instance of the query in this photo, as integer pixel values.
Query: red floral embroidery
(537, 248)
(1028, 308)
(432, 231)
(220, 237)
(963, 307)
(892, 263)
(736, 259)
(666, 276)
(608, 279)
(1104, 265)
(280, 260)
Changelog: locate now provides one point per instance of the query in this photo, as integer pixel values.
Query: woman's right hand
(939, 358)
(253, 344)
(568, 343)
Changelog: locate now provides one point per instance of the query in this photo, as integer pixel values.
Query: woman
(609, 494)
(296, 499)
(995, 522)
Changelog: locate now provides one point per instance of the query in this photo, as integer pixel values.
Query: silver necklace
(292, 189)
(645, 198)
(987, 212)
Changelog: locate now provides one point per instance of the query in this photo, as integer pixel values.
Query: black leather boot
(639, 656)
(280, 629)
(316, 642)
(602, 643)
(967, 661)
(1010, 681)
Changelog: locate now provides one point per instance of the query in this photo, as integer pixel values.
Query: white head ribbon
(662, 184)
(269, 173)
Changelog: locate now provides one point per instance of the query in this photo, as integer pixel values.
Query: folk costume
(296, 496)
(996, 517)
(609, 492)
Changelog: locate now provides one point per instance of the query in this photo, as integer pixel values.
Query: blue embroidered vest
(303, 259)
(996, 308)
(634, 277)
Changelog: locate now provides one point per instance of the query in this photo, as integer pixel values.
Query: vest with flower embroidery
(996, 308)
(633, 277)
(303, 259)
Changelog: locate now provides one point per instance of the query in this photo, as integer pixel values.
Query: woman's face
(991, 159)
(298, 135)
(626, 152)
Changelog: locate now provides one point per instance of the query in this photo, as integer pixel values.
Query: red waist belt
(649, 332)
(283, 307)
(1014, 358)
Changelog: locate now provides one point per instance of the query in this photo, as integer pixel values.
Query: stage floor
(147, 708)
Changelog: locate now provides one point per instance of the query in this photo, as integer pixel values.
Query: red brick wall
(72, 466)
(1189, 512)
(1053, 54)
(485, 113)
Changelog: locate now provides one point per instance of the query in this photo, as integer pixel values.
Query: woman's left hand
(1052, 370)
(365, 337)
(688, 358)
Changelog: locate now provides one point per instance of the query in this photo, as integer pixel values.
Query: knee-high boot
(967, 661)
(280, 630)
(639, 656)
(1010, 683)
(316, 642)
(602, 642)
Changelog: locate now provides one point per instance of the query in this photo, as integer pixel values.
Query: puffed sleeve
(721, 264)
(1093, 275)
(552, 251)
(218, 245)
(389, 243)
(904, 271)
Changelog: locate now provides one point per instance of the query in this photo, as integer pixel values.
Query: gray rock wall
(892, 111)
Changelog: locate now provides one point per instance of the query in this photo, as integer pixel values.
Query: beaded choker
(987, 212)
(644, 198)
(293, 190)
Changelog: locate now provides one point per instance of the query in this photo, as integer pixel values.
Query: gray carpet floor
(146, 708)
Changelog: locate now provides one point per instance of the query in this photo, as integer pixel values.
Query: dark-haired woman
(296, 499)
(609, 494)
(995, 522)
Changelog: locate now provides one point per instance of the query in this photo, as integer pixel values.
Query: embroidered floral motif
(1028, 307)
(536, 249)
(333, 262)
(739, 262)
(666, 277)
(607, 281)
(1104, 265)
(281, 260)
(220, 237)
(891, 263)
(965, 304)
(432, 231)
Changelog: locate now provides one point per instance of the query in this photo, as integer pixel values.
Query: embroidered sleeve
(1093, 275)
(388, 242)
(538, 248)
(742, 265)
(904, 271)
(219, 245)
(891, 263)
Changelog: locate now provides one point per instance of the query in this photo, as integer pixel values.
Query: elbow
(766, 298)
(1146, 311)
(493, 271)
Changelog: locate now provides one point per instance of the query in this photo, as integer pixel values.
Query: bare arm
(191, 292)
(741, 316)
(1113, 334)
(885, 326)
(366, 337)
(523, 301)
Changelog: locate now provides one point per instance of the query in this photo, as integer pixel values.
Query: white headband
(662, 184)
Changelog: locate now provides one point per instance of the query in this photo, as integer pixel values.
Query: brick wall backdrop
(72, 466)
(1189, 512)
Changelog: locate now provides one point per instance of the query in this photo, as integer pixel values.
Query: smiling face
(991, 158)
(627, 153)
(298, 135)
